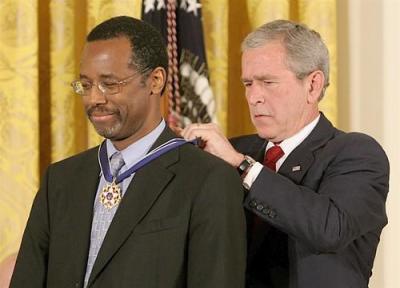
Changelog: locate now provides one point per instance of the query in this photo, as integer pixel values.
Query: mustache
(100, 109)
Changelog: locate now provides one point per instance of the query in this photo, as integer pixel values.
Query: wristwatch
(245, 165)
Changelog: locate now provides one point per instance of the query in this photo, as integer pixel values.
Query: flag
(190, 97)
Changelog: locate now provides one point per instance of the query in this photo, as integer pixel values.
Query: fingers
(200, 143)
(212, 141)
(209, 134)
(197, 130)
(177, 130)
(202, 133)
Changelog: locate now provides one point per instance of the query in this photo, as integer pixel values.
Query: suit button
(259, 207)
(253, 203)
(77, 284)
(272, 213)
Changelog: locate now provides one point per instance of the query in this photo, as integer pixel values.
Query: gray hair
(306, 52)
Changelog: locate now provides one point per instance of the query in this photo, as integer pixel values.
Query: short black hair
(148, 47)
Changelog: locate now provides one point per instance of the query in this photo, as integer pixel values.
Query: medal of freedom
(111, 195)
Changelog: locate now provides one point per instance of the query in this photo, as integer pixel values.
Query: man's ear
(158, 78)
(315, 85)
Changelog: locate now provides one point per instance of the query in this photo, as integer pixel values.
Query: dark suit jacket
(323, 212)
(181, 223)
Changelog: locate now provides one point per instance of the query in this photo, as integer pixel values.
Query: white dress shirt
(287, 145)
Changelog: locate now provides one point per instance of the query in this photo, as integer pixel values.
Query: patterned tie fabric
(102, 218)
(116, 163)
(272, 156)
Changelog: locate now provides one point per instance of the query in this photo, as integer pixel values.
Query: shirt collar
(137, 150)
(289, 144)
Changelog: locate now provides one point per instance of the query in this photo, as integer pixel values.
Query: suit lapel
(143, 191)
(300, 160)
(297, 164)
(295, 168)
(87, 181)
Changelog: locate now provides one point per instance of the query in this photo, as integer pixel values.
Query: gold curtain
(19, 120)
(42, 121)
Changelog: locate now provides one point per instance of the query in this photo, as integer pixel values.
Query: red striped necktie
(272, 156)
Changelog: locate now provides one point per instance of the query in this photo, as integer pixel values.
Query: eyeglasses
(107, 87)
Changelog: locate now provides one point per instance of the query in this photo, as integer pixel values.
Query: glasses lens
(77, 86)
(108, 87)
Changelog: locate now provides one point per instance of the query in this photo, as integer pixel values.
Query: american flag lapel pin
(296, 168)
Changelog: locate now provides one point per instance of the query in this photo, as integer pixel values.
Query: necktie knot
(116, 163)
(272, 156)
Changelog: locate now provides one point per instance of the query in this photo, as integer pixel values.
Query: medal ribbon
(153, 154)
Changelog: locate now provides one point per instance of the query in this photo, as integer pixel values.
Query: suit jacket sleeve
(341, 197)
(217, 225)
(31, 265)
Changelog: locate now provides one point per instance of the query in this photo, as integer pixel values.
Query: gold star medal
(111, 195)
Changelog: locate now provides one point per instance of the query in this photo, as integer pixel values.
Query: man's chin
(106, 132)
(265, 134)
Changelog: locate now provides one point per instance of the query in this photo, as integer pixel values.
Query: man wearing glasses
(144, 209)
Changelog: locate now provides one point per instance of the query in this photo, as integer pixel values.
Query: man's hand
(214, 141)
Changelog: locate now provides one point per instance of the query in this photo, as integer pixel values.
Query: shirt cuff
(252, 175)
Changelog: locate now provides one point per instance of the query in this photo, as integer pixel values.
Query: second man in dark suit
(316, 195)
